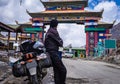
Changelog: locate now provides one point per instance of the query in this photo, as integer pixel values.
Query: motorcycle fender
(31, 64)
(32, 71)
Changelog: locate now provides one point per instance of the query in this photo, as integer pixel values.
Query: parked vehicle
(31, 62)
(67, 55)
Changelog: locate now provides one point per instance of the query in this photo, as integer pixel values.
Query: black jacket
(53, 40)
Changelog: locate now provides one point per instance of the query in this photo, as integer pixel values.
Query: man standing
(52, 44)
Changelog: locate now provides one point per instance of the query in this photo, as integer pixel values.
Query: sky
(11, 10)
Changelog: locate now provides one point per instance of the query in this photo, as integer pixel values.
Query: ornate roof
(65, 2)
(100, 24)
(66, 13)
(28, 24)
(105, 25)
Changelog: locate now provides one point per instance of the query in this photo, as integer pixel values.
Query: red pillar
(33, 36)
(107, 32)
(96, 38)
(40, 35)
(87, 43)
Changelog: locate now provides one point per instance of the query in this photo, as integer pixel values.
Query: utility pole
(20, 2)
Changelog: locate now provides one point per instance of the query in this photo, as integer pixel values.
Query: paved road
(83, 72)
(92, 72)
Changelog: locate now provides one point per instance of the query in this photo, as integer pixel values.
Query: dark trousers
(58, 67)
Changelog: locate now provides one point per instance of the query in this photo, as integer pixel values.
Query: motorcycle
(31, 62)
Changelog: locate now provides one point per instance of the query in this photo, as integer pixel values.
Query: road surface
(82, 72)
(92, 72)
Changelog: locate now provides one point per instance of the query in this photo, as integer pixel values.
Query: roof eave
(93, 14)
(7, 28)
(28, 13)
(107, 26)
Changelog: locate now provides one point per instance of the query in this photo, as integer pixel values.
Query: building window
(58, 8)
(67, 17)
(63, 17)
(63, 8)
(49, 18)
(78, 17)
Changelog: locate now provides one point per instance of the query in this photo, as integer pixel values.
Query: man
(52, 44)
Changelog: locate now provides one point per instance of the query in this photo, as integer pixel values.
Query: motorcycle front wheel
(34, 80)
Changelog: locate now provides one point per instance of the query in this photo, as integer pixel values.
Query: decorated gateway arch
(71, 11)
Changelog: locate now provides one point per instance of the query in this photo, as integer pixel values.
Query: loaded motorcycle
(33, 62)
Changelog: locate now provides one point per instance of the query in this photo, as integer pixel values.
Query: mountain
(115, 31)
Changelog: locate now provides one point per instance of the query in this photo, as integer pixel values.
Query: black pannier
(19, 70)
(45, 63)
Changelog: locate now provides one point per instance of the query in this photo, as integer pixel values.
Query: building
(5, 40)
(72, 11)
(77, 52)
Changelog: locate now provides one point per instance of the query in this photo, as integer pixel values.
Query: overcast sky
(11, 10)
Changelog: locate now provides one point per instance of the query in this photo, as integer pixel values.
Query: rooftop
(64, 2)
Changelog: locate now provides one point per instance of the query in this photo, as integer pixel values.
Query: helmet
(38, 44)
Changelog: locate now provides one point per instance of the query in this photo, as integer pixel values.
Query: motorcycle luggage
(19, 70)
(45, 63)
(28, 56)
(27, 46)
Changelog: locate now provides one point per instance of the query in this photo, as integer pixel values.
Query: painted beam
(94, 29)
(91, 23)
(33, 29)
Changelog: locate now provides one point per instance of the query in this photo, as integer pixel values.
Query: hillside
(116, 32)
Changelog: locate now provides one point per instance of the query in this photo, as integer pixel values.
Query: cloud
(110, 10)
(72, 34)
(13, 11)
(4, 2)
(118, 15)
(33, 6)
